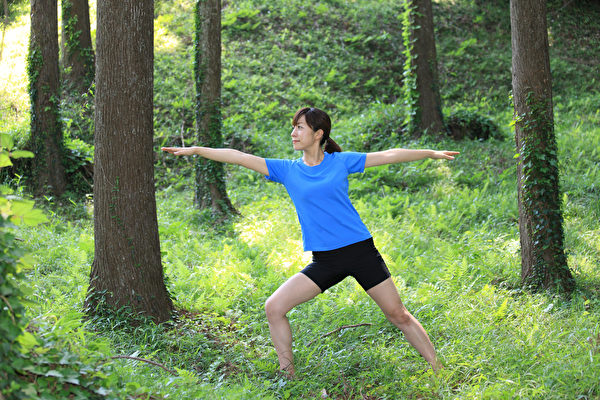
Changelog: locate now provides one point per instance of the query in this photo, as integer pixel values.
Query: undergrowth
(447, 230)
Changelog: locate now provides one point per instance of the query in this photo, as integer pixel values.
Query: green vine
(72, 43)
(410, 92)
(540, 193)
(34, 66)
(37, 140)
(69, 24)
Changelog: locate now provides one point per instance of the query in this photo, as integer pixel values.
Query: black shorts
(360, 260)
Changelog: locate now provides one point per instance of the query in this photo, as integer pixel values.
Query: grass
(448, 231)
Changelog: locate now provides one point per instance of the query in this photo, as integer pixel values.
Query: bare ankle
(288, 371)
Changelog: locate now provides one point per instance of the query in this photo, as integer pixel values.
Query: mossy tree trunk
(543, 261)
(127, 269)
(46, 142)
(210, 175)
(78, 53)
(421, 82)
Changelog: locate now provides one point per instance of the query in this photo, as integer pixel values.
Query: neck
(313, 156)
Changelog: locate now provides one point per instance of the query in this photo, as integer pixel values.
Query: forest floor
(448, 231)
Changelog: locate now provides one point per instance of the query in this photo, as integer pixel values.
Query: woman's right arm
(230, 156)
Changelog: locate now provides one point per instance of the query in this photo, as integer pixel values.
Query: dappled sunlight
(165, 41)
(13, 70)
(592, 239)
(272, 226)
(444, 169)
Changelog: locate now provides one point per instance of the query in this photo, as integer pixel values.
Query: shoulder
(353, 161)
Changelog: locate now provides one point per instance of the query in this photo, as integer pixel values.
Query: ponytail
(318, 119)
(331, 146)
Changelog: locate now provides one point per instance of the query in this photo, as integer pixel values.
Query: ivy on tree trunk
(543, 260)
(421, 83)
(45, 141)
(210, 175)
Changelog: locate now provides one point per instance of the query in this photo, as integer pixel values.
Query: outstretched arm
(230, 156)
(394, 156)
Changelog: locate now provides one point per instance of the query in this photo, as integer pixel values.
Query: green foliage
(468, 123)
(411, 94)
(77, 115)
(34, 65)
(72, 45)
(33, 367)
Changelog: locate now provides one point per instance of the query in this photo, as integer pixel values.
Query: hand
(444, 155)
(179, 151)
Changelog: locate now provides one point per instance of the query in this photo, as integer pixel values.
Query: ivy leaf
(102, 391)
(30, 391)
(6, 141)
(21, 154)
(27, 342)
(24, 213)
(73, 381)
(54, 373)
(5, 160)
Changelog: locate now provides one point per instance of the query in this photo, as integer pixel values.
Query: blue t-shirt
(327, 217)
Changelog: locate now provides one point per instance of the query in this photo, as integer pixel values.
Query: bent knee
(399, 316)
(273, 309)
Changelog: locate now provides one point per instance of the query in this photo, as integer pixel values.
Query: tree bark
(45, 140)
(78, 53)
(425, 100)
(543, 261)
(210, 175)
(127, 268)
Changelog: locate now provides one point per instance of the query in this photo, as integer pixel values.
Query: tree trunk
(422, 84)
(45, 140)
(543, 261)
(78, 54)
(127, 268)
(210, 175)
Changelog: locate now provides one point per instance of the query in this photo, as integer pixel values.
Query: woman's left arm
(393, 156)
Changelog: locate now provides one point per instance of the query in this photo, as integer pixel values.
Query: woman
(331, 228)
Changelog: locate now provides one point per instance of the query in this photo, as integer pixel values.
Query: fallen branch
(147, 361)
(10, 309)
(338, 330)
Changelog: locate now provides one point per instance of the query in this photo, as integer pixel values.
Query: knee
(399, 316)
(273, 309)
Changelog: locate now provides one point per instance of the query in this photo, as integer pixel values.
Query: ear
(319, 134)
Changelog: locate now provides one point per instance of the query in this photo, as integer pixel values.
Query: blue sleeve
(278, 169)
(354, 162)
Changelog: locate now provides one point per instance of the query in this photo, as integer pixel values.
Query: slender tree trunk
(422, 88)
(127, 268)
(543, 261)
(78, 54)
(45, 141)
(210, 175)
(4, 25)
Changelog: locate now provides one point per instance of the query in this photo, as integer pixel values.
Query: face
(303, 137)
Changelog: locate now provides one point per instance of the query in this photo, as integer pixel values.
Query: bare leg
(296, 290)
(386, 296)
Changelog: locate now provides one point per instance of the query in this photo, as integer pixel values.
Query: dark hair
(318, 119)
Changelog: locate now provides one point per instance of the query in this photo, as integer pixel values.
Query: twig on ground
(565, 4)
(9, 308)
(147, 361)
(338, 330)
